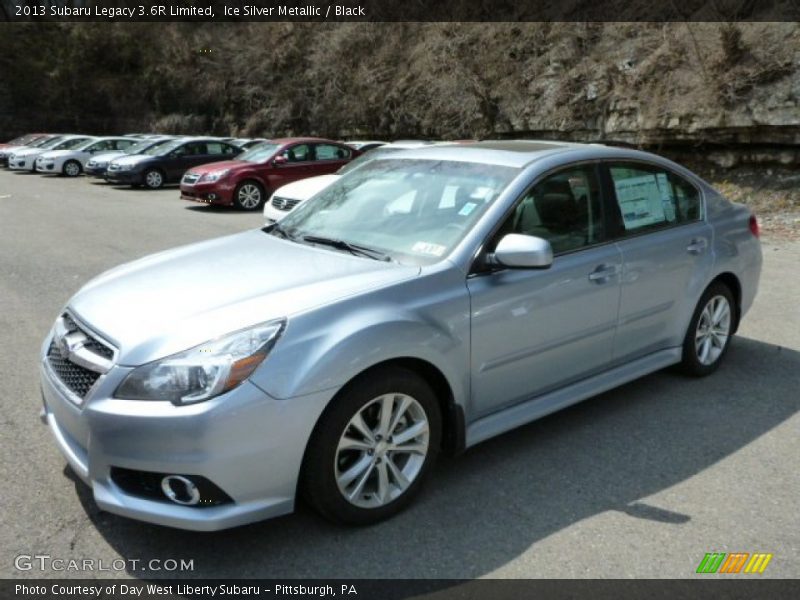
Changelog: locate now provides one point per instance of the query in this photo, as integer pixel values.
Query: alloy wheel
(713, 330)
(72, 169)
(382, 450)
(154, 179)
(249, 196)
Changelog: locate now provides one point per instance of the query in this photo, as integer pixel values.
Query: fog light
(211, 196)
(180, 490)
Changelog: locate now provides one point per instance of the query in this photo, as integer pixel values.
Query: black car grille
(285, 204)
(77, 378)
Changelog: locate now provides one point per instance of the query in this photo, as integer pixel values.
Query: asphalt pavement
(641, 481)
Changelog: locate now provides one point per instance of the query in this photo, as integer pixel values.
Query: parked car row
(239, 172)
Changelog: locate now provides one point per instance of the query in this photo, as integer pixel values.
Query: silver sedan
(424, 302)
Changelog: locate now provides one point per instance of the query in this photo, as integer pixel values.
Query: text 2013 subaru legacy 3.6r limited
(423, 302)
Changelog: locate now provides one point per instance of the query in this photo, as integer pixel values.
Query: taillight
(754, 226)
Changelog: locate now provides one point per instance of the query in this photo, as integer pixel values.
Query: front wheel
(72, 168)
(249, 196)
(154, 179)
(710, 331)
(372, 448)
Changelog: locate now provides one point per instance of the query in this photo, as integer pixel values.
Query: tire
(72, 168)
(379, 480)
(153, 179)
(710, 330)
(249, 195)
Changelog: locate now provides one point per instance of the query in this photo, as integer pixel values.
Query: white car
(71, 162)
(24, 158)
(287, 197)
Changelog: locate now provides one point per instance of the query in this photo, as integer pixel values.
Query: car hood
(303, 189)
(27, 152)
(217, 166)
(174, 300)
(107, 156)
(12, 149)
(133, 159)
(61, 153)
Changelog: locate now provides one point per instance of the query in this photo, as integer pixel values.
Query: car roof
(519, 153)
(294, 140)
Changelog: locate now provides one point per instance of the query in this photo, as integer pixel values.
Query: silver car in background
(423, 302)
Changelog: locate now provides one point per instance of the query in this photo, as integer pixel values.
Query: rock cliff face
(728, 93)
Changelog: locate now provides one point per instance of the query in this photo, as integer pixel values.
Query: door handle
(602, 273)
(697, 246)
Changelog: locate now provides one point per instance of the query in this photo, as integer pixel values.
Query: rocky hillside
(731, 89)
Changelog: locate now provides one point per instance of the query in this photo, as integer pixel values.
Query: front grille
(285, 204)
(78, 379)
(191, 178)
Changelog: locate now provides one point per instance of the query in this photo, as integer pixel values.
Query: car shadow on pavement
(487, 507)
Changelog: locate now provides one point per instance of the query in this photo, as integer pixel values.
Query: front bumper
(21, 164)
(45, 166)
(208, 193)
(99, 172)
(247, 443)
(124, 177)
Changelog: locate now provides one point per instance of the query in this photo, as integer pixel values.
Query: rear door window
(649, 197)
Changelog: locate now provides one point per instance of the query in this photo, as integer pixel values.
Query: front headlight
(204, 371)
(214, 176)
(123, 167)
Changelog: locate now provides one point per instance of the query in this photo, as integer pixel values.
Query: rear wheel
(154, 179)
(249, 195)
(72, 168)
(372, 448)
(710, 331)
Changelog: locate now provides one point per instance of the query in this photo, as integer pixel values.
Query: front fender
(330, 346)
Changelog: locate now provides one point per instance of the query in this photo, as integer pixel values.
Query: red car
(249, 180)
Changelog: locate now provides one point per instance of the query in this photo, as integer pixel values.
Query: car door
(295, 162)
(535, 330)
(666, 253)
(193, 154)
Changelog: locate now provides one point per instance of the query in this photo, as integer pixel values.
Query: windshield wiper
(351, 248)
(277, 229)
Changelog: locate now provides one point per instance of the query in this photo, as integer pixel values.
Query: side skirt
(541, 406)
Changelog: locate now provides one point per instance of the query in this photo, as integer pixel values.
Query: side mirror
(523, 252)
(279, 160)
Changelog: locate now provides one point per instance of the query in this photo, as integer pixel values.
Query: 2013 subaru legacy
(424, 302)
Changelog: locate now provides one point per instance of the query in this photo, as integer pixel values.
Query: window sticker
(467, 209)
(428, 248)
(640, 200)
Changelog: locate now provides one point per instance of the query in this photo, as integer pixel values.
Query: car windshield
(259, 153)
(75, 143)
(412, 211)
(42, 143)
(50, 143)
(365, 158)
(146, 145)
(163, 149)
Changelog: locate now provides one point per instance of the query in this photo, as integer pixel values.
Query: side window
(100, 146)
(652, 198)
(195, 149)
(564, 209)
(228, 149)
(216, 148)
(124, 144)
(331, 152)
(299, 153)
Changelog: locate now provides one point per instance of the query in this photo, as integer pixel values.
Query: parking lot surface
(641, 481)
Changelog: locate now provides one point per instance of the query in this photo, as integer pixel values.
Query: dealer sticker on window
(428, 248)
